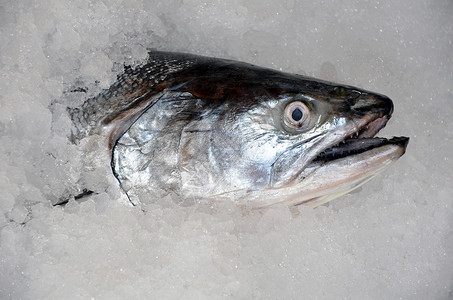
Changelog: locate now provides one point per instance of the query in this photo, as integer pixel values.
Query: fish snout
(370, 103)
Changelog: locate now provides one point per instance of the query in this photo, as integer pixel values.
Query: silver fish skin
(196, 128)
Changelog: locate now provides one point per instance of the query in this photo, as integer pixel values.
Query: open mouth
(362, 141)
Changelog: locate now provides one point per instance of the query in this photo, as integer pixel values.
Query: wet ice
(390, 240)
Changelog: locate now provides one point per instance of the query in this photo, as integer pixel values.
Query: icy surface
(391, 240)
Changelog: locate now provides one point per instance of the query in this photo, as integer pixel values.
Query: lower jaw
(322, 182)
(329, 180)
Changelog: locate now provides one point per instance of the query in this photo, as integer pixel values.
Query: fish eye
(296, 115)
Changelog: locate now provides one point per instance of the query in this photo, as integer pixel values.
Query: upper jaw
(372, 128)
(366, 116)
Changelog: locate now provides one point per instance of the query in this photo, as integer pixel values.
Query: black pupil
(297, 115)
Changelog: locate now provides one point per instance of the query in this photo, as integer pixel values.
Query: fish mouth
(361, 141)
(347, 165)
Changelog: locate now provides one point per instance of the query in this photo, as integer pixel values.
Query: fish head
(313, 145)
(296, 140)
(222, 129)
